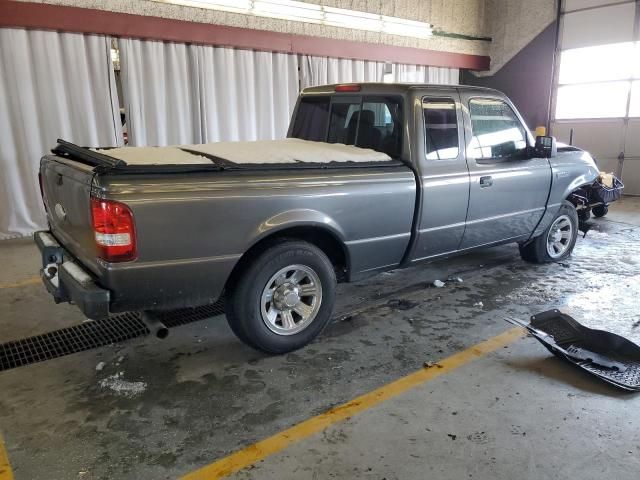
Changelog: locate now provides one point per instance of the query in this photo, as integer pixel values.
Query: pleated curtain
(177, 93)
(425, 74)
(161, 88)
(62, 85)
(52, 85)
(325, 70)
(245, 94)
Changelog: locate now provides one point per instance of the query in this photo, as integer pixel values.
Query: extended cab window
(497, 131)
(440, 128)
(369, 122)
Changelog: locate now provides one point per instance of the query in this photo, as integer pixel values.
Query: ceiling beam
(83, 20)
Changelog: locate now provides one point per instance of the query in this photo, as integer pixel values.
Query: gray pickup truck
(372, 177)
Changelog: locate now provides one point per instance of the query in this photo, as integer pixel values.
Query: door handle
(486, 182)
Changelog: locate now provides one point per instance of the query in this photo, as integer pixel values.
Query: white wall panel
(602, 138)
(599, 26)
(632, 142)
(631, 169)
(570, 5)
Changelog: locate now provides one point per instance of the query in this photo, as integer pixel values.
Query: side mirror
(546, 147)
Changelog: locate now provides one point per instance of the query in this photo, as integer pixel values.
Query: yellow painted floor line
(5, 468)
(258, 451)
(22, 283)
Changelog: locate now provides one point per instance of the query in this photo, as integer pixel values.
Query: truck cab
(482, 181)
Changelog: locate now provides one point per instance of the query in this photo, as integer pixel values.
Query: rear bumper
(67, 281)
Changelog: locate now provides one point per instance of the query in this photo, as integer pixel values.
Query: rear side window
(369, 122)
(441, 128)
(497, 131)
(311, 119)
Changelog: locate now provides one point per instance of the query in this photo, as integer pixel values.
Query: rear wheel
(284, 298)
(557, 241)
(600, 210)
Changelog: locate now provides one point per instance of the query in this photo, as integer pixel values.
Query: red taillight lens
(114, 230)
(348, 87)
(42, 191)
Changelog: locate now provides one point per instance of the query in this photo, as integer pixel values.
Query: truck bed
(194, 221)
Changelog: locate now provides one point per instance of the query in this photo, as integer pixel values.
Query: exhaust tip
(155, 326)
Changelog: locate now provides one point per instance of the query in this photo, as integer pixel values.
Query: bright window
(596, 64)
(596, 82)
(634, 104)
(592, 100)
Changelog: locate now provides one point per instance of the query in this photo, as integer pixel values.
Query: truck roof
(398, 88)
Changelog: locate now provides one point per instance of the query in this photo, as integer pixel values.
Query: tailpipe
(155, 326)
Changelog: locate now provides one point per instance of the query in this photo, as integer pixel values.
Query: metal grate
(89, 335)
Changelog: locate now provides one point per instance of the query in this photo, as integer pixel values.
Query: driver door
(508, 188)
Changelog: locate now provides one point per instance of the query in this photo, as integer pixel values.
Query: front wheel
(557, 242)
(284, 298)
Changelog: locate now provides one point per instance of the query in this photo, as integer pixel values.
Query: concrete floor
(160, 409)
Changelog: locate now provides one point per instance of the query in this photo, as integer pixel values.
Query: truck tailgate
(66, 187)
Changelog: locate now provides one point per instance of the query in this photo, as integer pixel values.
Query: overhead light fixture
(234, 6)
(341, 17)
(314, 13)
(288, 10)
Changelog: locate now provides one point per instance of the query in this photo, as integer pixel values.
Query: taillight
(44, 202)
(114, 230)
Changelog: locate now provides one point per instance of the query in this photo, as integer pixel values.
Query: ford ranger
(372, 177)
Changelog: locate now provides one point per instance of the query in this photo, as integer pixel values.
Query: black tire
(584, 214)
(600, 210)
(535, 250)
(243, 304)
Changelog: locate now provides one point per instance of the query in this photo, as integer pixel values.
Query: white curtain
(161, 92)
(52, 85)
(245, 94)
(323, 71)
(425, 74)
(177, 93)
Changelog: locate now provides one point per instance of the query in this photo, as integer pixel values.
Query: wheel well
(321, 238)
(579, 197)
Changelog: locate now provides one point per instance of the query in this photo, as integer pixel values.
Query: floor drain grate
(89, 335)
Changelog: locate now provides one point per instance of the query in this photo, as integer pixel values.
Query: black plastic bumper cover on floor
(606, 355)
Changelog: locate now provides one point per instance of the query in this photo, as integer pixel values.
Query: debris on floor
(478, 304)
(100, 366)
(431, 365)
(438, 283)
(608, 356)
(118, 385)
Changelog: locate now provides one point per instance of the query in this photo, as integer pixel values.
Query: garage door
(597, 94)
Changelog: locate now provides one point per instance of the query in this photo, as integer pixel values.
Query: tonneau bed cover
(289, 150)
